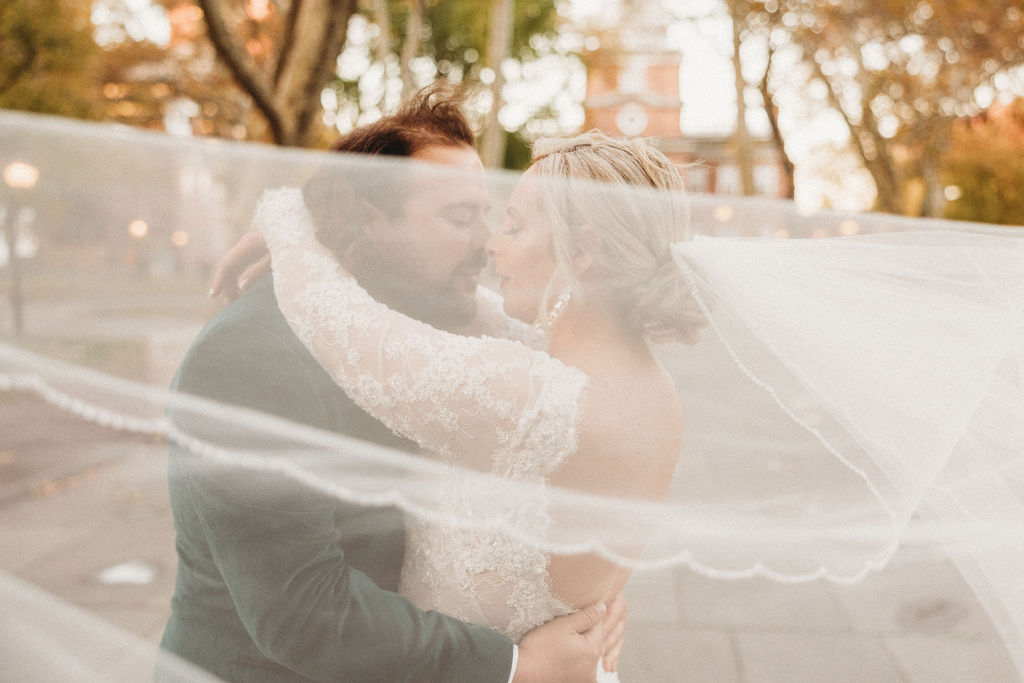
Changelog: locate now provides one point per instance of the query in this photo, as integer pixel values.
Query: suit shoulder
(245, 334)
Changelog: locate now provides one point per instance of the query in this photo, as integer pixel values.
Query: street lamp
(20, 177)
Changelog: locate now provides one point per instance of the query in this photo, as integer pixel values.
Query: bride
(598, 278)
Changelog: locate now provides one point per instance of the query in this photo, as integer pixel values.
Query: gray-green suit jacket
(278, 584)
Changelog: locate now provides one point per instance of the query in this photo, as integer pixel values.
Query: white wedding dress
(479, 403)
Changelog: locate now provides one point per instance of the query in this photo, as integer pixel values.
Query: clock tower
(633, 91)
(633, 78)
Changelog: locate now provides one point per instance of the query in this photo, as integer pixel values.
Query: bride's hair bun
(627, 220)
(663, 308)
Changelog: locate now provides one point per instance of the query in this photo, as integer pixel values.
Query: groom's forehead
(440, 164)
(440, 187)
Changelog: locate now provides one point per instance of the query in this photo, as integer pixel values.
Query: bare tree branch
(323, 25)
(411, 44)
(885, 180)
(238, 64)
(26, 67)
(741, 135)
(287, 40)
(385, 40)
(499, 48)
(772, 111)
(382, 19)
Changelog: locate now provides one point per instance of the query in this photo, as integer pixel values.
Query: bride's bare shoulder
(627, 418)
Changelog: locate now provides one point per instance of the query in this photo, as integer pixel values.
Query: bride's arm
(492, 321)
(451, 394)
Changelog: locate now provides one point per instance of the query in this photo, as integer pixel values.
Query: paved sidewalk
(97, 532)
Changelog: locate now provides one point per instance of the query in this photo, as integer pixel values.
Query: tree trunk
(499, 48)
(382, 18)
(788, 188)
(741, 137)
(411, 45)
(875, 152)
(870, 146)
(26, 65)
(385, 42)
(935, 145)
(289, 98)
(934, 201)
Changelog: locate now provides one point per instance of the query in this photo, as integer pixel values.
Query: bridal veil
(855, 402)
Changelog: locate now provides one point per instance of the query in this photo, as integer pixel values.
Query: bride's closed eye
(512, 225)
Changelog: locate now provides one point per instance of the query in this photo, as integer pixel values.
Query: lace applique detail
(487, 577)
(282, 218)
(491, 404)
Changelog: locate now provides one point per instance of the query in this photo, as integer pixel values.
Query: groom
(277, 583)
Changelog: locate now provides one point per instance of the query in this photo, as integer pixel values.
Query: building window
(766, 179)
(727, 180)
(634, 75)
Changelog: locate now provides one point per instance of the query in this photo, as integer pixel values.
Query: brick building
(633, 90)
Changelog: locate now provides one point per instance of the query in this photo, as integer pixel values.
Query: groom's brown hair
(433, 116)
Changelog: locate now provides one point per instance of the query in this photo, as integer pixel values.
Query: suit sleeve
(278, 547)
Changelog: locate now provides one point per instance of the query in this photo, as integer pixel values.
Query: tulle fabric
(43, 638)
(850, 397)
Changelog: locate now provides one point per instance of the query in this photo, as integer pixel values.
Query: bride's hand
(240, 266)
(614, 629)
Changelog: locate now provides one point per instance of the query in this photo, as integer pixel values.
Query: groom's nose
(491, 247)
(480, 233)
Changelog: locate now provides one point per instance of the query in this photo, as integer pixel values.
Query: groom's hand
(564, 650)
(614, 630)
(240, 266)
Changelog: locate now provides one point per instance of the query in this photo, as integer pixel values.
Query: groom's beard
(446, 307)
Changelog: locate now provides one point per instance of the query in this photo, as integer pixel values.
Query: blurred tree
(760, 20)
(55, 59)
(411, 42)
(384, 17)
(771, 108)
(176, 85)
(984, 169)
(281, 54)
(738, 11)
(900, 72)
(458, 27)
(518, 152)
(499, 48)
(752, 23)
(48, 57)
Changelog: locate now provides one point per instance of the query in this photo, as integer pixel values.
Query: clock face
(631, 119)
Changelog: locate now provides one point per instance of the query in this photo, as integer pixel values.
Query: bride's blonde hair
(633, 231)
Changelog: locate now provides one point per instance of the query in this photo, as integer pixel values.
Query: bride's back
(630, 414)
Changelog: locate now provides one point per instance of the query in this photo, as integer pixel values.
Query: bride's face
(521, 250)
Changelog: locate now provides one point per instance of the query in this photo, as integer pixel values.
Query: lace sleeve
(491, 321)
(451, 394)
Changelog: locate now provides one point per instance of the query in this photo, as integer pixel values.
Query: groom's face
(431, 251)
